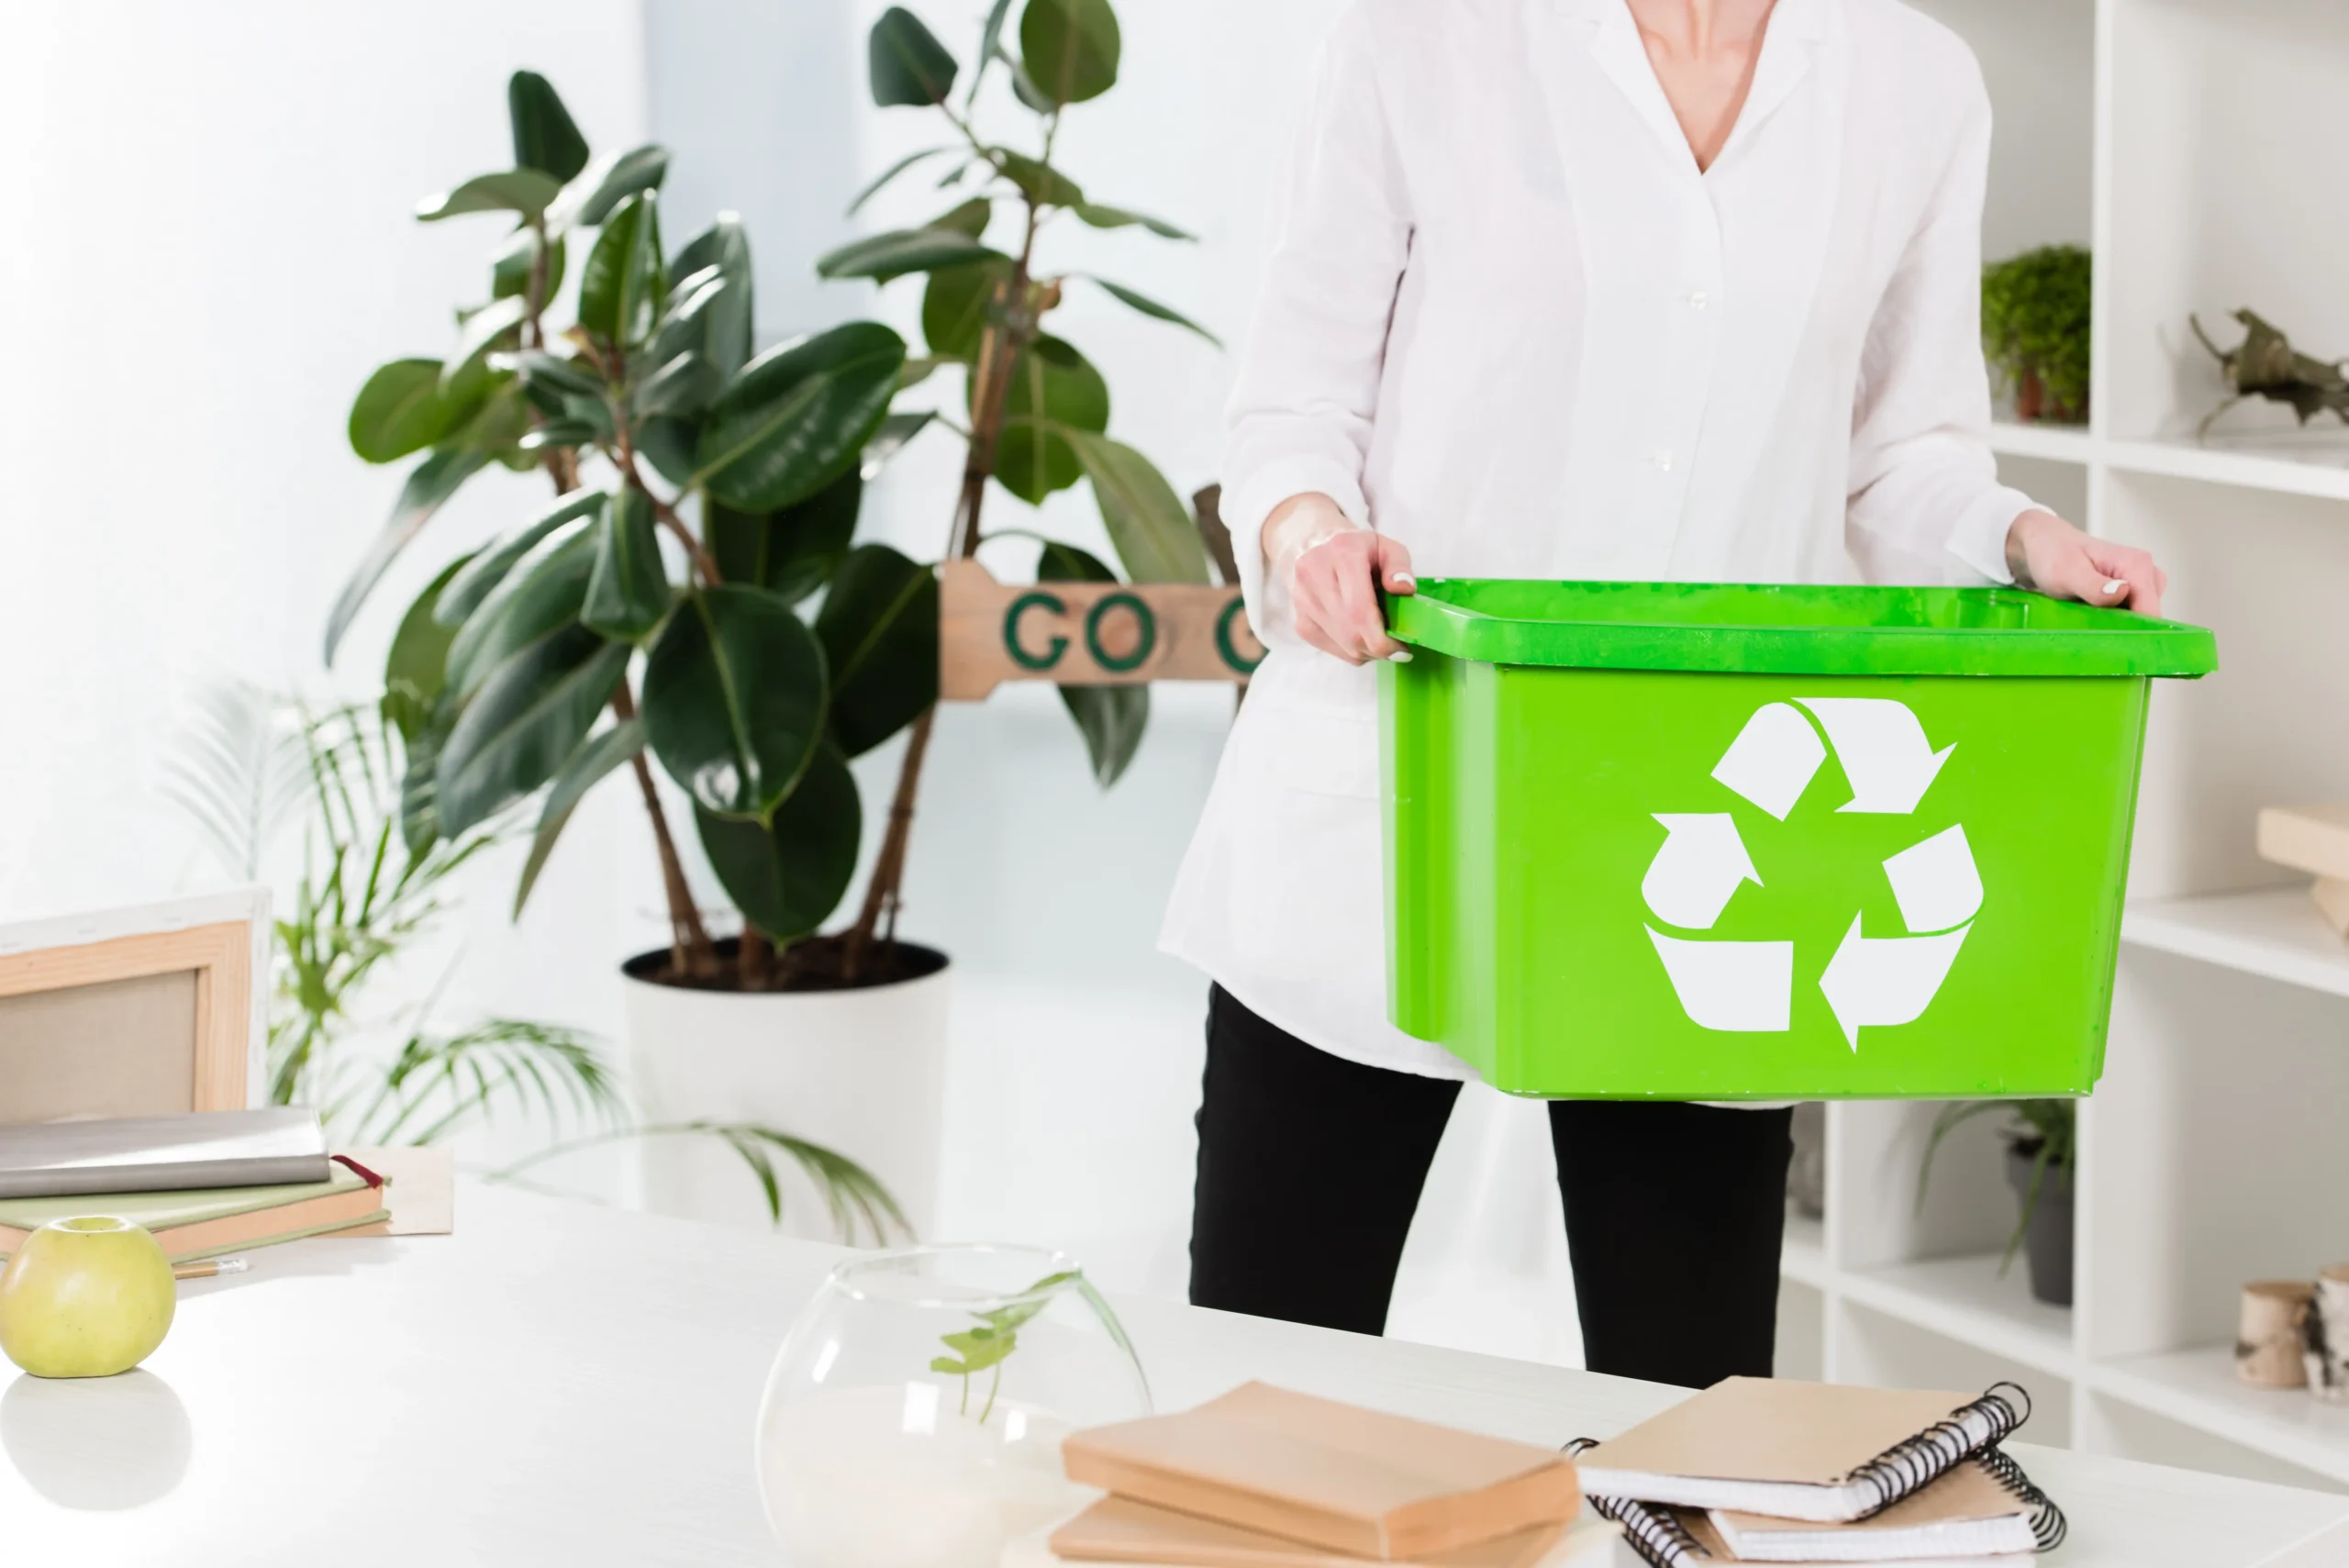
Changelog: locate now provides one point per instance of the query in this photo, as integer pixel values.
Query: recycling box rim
(1791, 628)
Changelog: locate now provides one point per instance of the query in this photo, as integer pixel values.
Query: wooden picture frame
(189, 978)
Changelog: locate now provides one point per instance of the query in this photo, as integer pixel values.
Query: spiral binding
(2048, 1526)
(1655, 1534)
(1902, 1470)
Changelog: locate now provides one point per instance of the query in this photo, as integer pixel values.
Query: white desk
(568, 1385)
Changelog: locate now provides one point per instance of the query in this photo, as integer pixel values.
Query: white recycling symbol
(1882, 981)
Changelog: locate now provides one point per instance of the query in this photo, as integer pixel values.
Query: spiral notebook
(1986, 1511)
(1819, 1452)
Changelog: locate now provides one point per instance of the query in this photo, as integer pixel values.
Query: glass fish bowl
(914, 1415)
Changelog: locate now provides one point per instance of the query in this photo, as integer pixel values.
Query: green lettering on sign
(1224, 645)
(1037, 600)
(1146, 622)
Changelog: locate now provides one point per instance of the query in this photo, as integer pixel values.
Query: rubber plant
(691, 594)
(1038, 410)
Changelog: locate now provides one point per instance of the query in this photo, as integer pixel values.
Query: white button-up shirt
(1507, 321)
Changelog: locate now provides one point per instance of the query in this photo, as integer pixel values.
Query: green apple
(86, 1297)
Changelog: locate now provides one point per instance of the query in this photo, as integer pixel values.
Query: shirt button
(1699, 300)
(1662, 458)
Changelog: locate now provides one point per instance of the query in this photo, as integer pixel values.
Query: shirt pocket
(1319, 750)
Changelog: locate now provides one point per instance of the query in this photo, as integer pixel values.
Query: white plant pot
(861, 1072)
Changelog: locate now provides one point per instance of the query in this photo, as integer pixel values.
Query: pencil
(205, 1268)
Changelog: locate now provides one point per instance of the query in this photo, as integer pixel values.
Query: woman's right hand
(1330, 563)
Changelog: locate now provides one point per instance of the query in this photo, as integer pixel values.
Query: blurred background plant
(2044, 1131)
(2035, 310)
(246, 766)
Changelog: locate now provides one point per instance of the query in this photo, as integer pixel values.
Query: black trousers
(1310, 1167)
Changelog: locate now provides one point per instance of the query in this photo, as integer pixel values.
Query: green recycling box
(1689, 841)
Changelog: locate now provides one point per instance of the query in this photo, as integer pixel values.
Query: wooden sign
(1085, 634)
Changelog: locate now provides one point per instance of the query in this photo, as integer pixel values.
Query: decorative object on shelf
(2041, 1150)
(2327, 1329)
(248, 765)
(914, 1415)
(2313, 838)
(2264, 364)
(2270, 1343)
(2035, 312)
(1807, 1170)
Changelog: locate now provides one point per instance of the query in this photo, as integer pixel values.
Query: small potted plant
(2041, 1154)
(2035, 330)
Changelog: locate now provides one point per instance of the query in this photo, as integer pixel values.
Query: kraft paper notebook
(272, 1145)
(1986, 1510)
(1354, 1481)
(1820, 1451)
(1136, 1535)
(205, 1223)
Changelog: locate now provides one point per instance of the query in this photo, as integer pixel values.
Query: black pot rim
(928, 961)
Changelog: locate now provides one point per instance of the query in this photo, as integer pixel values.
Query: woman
(1640, 289)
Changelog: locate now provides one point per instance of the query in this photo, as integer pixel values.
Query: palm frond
(234, 762)
(436, 1084)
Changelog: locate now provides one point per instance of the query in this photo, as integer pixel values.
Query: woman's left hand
(2051, 556)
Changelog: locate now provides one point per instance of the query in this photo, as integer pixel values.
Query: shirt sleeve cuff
(1245, 506)
(1980, 538)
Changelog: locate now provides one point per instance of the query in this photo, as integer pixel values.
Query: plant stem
(994, 1386)
(690, 952)
(999, 349)
(753, 959)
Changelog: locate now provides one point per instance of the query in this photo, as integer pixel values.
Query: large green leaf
(879, 628)
(892, 438)
(1054, 390)
(787, 876)
(1070, 48)
(430, 484)
(684, 387)
(402, 409)
(509, 268)
(873, 187)
(416, 667)
(1100, 216)
(1156, 536)
(909, 66)
(798, 416)
(628, 593)
(544, 136)
(955, 303)
(486, 570)
(529, 607)
(969, 217)
(596, 756)
(523, 191)
(1039, 183)
(726, 343)
(526, 720)
(734, 698)
(1111, 718)
(990, 47)
(881, 257)
(668, 444)
(791, 552)
(626, 279)
(480, 333)
(603, 184)
(419, 782)
(1149, 307)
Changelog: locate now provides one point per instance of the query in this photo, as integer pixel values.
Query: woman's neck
(1700, 28)
(1704, 53)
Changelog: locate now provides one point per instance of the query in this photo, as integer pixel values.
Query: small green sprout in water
(989, 1342)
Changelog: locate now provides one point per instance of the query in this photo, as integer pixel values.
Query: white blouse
(1509, 322)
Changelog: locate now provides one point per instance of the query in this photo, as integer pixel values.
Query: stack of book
(1763, 1471)
(1265, 1478)
(206, 1183)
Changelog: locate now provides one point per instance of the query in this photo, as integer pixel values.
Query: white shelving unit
(2190, 143)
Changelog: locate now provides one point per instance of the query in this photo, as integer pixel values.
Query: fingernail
(1404, 581)
(2115, 586)
(1401, 656)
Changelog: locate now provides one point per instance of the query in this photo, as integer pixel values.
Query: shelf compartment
(2310, 467)
(2196, 1388)
(1965, 1299)
(2053, 443)
(1803, 1256)
(2275, 932)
